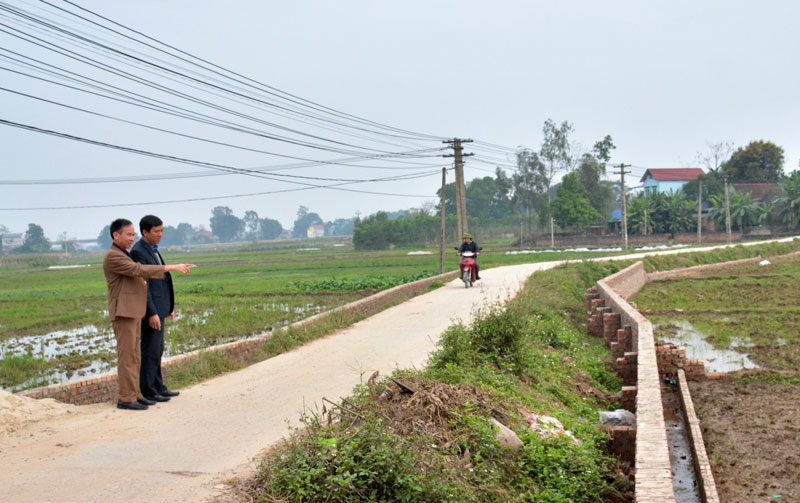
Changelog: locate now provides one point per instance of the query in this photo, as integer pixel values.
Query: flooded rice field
(683, 333)
(77, 353)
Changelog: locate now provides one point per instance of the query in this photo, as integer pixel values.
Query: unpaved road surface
(182, 451)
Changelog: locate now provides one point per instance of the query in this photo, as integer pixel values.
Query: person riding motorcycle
(471, 246)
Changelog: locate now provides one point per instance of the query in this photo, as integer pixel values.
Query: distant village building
(666, 180)
(11, 241)
(759, 192)
(316, 231)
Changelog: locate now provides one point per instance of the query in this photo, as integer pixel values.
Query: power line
(247, 80)
(214, 166)
(155, 128)
(211, 198)
(163, 68)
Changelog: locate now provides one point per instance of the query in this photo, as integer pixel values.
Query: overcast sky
(662, 78)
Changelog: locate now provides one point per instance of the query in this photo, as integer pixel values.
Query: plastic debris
(619, 417)
(546, 426)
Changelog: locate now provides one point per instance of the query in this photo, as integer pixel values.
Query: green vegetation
(438, 444)
(753, 305)
(235, 292)
(367, 283)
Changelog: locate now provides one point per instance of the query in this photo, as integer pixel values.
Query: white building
(11, 241)
(316, 231)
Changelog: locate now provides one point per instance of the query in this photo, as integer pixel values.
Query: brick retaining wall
(643, 364)
(639, 367)
(103, 388)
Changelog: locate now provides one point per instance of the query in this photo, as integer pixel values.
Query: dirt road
(185, 449)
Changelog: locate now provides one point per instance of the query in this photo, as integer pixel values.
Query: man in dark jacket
(160, 305)
(472, 246)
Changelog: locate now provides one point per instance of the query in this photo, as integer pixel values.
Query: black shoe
(131, 405)
(146, 401)
(158, 398)
(169, 393)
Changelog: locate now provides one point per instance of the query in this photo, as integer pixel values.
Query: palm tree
(788, 201)
(744, 211)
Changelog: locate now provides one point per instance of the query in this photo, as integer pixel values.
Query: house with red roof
(666, 180)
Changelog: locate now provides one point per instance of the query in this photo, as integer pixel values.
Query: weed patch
(435, 426)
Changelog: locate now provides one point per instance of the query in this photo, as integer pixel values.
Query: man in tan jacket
(127, 303)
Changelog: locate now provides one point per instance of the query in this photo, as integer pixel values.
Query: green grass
(241, 291)
(528, 355)
(751, 304)
(24, 368)
(234, 292)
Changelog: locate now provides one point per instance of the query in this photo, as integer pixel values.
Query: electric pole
(444, 229)
(461, 190)
(727, 210)
(700, 213)
(624, 205)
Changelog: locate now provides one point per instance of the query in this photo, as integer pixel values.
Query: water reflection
(716, 360)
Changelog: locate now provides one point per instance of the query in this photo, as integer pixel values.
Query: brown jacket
(127, 289)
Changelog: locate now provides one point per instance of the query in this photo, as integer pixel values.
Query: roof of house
(758, 191)
(674, 174)
(317, 227)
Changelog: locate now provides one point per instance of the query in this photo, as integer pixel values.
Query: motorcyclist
(472, 246)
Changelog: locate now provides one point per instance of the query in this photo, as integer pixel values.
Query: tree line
(585, 198)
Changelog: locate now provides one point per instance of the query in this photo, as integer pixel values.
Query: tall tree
(185, 233)
(590, 173)
(717, 155)
(104, 239)
(270, 229)
(759, 161)
(602, 150)
(224, 224)
(35, 242)
(252, 224)
(571, 207)
(530, 184)
(556, 154)
(304, 221)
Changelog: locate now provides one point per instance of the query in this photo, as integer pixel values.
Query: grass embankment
(234, 292)
(438, 444)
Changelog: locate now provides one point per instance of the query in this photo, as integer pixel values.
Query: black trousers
(150, 380)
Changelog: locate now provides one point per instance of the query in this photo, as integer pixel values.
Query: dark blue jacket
(471, 246)
(160, 296)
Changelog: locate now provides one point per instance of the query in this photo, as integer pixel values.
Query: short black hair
(148, 222)
(118, 224)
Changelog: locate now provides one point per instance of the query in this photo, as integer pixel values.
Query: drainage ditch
(684, 477)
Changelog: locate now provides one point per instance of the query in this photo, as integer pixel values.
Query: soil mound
(16, 411)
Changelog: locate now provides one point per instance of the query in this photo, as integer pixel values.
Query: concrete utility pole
(700, 213)
(727, 210)
(461, 190)
(624, 204)
(520, 236)
(444, 228)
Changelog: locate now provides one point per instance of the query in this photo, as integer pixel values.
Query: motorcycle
(467, 268)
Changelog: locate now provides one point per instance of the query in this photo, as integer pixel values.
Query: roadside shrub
(496, 337)
(364, 463)
(562, 471)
